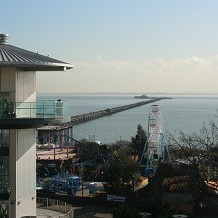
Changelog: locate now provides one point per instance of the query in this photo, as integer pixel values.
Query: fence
(55, 205)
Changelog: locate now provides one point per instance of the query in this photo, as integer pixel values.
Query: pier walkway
(82, 118)
(109, 111)
(65, 129)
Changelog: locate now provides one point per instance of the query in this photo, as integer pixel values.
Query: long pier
(109, 111)
(65, 129)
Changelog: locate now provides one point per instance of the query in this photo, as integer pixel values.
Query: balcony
(21, 114)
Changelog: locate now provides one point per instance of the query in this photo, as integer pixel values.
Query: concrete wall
(23, 172)
(7, 81)
(25, 93)
(25, 86)
(20, 86)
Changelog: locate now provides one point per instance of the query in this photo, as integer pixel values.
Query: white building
(20, 115)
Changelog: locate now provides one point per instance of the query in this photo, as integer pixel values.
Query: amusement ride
(155, 149)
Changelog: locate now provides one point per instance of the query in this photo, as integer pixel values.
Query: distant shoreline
(122, 93)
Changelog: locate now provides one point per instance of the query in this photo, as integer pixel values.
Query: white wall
(20, 87)
(25, 93)
(25, 86)
(7, 81)
(23, 171)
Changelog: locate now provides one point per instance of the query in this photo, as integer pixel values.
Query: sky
(119, 46)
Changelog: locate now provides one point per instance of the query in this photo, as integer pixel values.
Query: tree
(201, 147)
(199, 150)
(119, 172)
(138, 142)
(88, 150)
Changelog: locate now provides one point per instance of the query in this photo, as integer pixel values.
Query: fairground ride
(155, 149)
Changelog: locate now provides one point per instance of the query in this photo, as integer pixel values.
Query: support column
(22, 155)
(71, 136)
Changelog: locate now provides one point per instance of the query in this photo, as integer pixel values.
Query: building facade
(20, 115)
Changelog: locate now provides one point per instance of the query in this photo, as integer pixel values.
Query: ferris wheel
(155, 147)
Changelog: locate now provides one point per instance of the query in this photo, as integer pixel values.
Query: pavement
(45, 213)
(78, 212)
(85, 211)
(92, 212)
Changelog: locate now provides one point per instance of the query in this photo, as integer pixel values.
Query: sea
(185, 113)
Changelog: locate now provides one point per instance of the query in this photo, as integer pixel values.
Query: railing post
(43, 109)
(30, 109)
(59, 203)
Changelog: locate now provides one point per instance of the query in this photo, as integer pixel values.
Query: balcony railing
(39, 109)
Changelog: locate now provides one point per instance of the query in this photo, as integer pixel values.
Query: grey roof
(11, 56)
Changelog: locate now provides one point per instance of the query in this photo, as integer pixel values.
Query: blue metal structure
(63, 183)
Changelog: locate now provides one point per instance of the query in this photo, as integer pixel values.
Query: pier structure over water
(106, 112)
(62, 133)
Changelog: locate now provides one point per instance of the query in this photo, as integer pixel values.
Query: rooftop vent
(4, 38)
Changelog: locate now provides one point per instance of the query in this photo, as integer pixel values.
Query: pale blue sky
(119, 45)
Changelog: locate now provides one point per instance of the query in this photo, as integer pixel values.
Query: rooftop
(11, 56)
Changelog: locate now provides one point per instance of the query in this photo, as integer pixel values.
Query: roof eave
(38, 66)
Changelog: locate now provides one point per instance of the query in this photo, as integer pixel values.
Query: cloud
(193, 61)
(158, 63)
(104, 65)
(191, 74)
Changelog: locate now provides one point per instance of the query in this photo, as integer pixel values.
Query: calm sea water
(183, 112)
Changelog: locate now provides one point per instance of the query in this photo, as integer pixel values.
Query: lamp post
(49, 140)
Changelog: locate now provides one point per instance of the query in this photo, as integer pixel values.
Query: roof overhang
(11, 56)
(37, 67)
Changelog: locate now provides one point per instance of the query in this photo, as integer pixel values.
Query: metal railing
(38, 109)
(56, 205)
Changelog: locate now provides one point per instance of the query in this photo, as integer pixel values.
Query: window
(4, 160)
(4, 138)
(4, 174)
